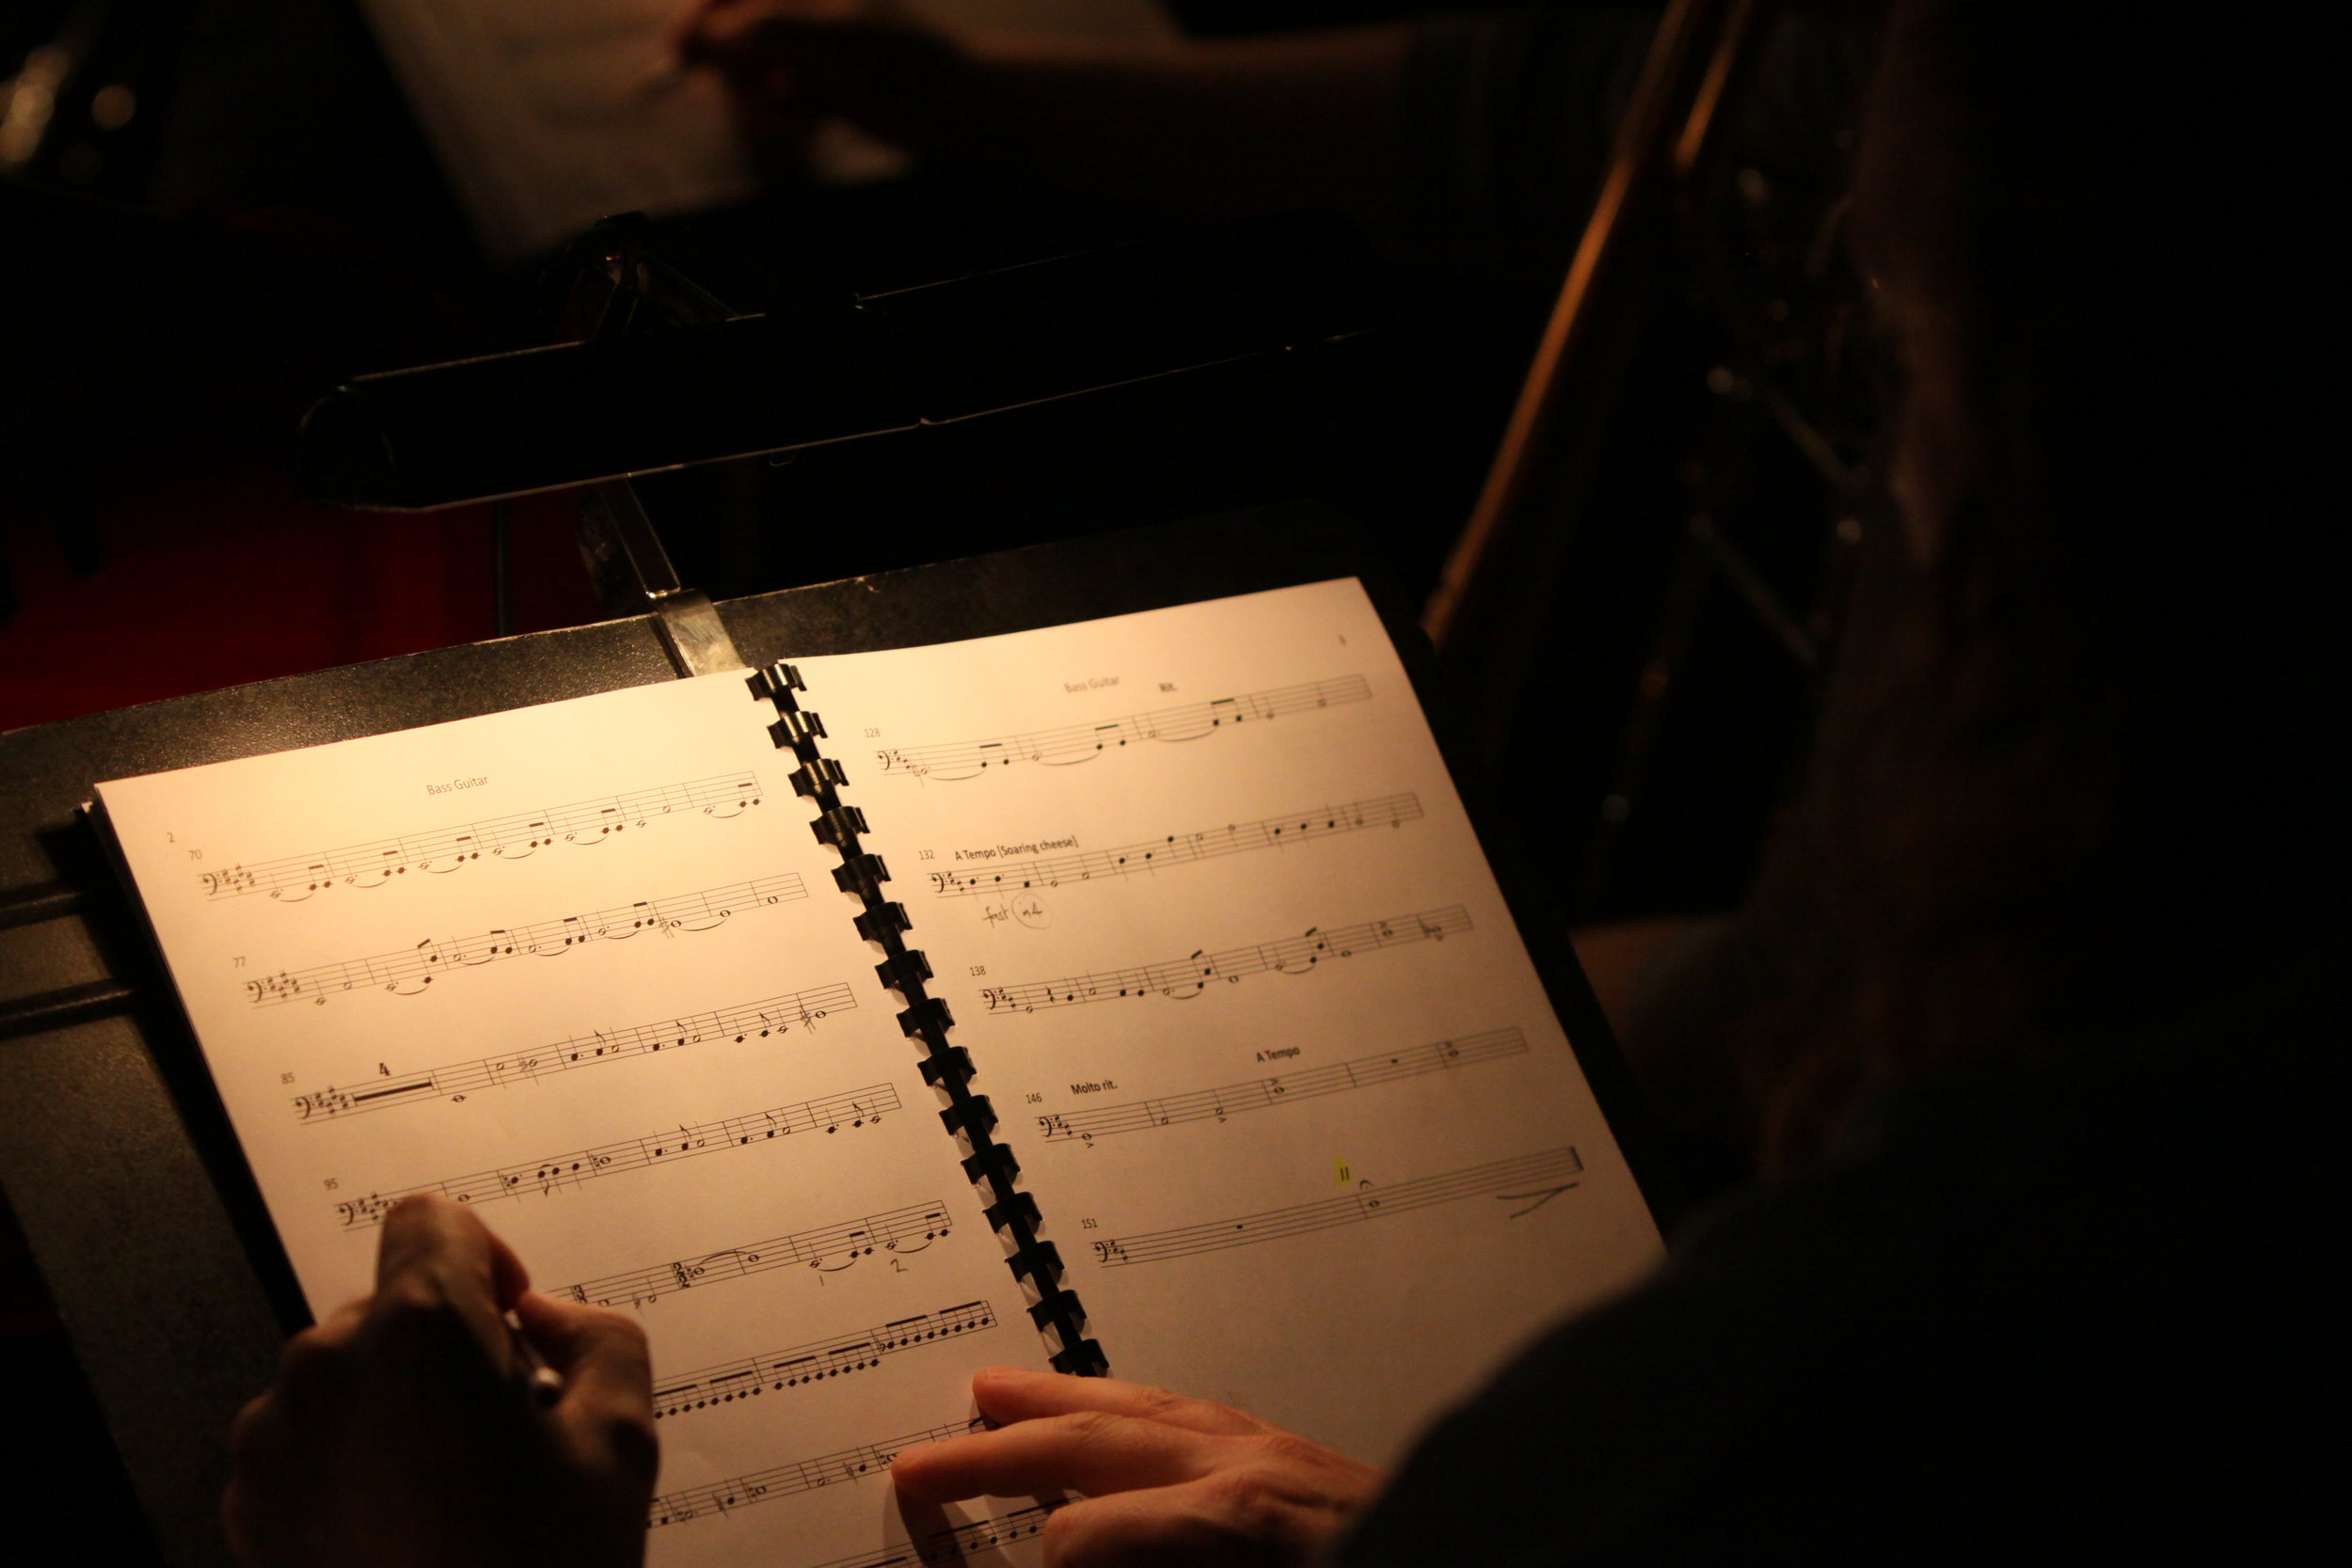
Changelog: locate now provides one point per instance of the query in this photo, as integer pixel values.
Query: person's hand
(401, 1432)
(1197, 128)
(791, 63)
(1168, 1479)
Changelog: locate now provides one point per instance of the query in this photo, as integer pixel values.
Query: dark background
(176, 288)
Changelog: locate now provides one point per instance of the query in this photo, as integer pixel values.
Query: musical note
(770, 1015)
(1298, 955)
(1550, 1174)
(805, 1474)
(903, 1231)
(836, 1112)
(1265, 1093)
(949, 1548)
(292, 879)
(773, 1371)
(1272, 832)
(1074, 743)
(416, 967)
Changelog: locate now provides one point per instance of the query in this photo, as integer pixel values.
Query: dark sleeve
(2076, 1319)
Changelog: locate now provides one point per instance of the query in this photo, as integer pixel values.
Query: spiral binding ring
(969, 1116)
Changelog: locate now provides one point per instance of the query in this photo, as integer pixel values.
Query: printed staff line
(1072, 743)
(948, 1549)
(1533, 1180)
(772, 1015)
(856, 1109)
(802, 1475)
(772, 1371)
(1298, 955)
(1262, 1094)
(848, 1241)
(1182, 849)
(293, 879)
(420, 964)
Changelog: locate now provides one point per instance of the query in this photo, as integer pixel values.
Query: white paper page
(584, 967)
(548, 115)
(1232, 970)
(544, 119)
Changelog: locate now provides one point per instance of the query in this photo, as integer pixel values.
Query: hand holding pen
(789, 64)
(454, 1418)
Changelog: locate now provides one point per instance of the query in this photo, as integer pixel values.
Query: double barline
(1271, 833)
(770, 1015)
(856, 1109)
(510, 837)
(1530, 1180)
(1298, 955)
(1071, 744)
(1263, 1094)
(422, 965)
(848, 1241)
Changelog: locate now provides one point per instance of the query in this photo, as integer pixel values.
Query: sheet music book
(548, 115)
(1126, 995)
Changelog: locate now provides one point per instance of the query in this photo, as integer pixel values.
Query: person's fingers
(711, 32)
(742, 33)
(238, 1510)
(1234, 1516)
(509, 1278)
(607, 1402)
(1090, 1451)
(437, 1268)
(245, 1433)
(432, 1236)
(315, 1363)
(333, 1331)
(600, 1353)
(690, 20)
(1010, 1394)
(268, 1461)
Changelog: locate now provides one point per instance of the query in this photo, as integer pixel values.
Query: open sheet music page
(1236, 977)
(584, 967)
(1215, 934)
(548, 115)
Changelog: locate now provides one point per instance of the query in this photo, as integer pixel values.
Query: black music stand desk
(114, 1148)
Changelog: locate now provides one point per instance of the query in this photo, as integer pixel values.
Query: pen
(544, 1381)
